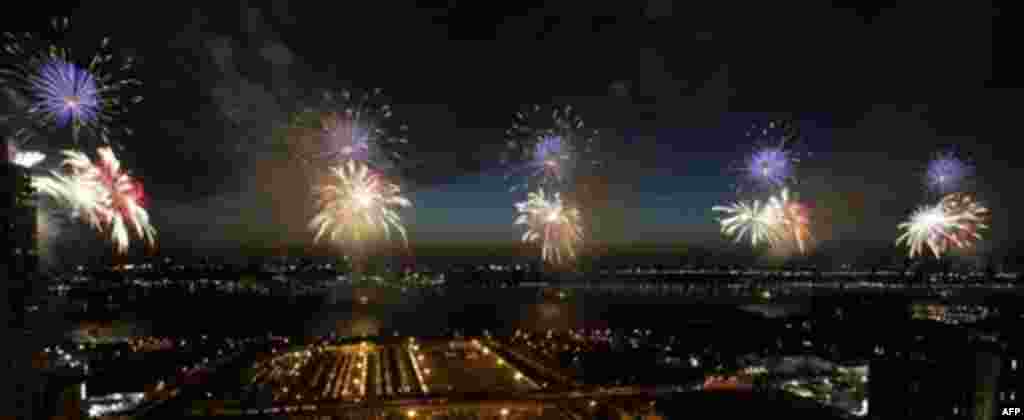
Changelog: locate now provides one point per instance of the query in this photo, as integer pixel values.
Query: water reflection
(389, 312)
(355, 311)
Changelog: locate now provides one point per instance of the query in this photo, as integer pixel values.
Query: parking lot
(459, 366)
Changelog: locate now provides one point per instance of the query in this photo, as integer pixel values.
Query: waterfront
(652, 333)
(371, 310)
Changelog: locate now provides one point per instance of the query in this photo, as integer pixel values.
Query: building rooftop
(743, 405)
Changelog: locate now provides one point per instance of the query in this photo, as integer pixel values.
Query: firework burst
(103, 195)
(761, 223)
(356, 205)
(956, 221)
(792, 216)
(769, 166)
(83, 200)
(550, 222)
(547, 147)
(971, 218)
(773, 162)
(947, 173)
(346, 126)
(62, 91)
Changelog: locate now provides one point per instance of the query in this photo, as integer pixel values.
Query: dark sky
(672, 87)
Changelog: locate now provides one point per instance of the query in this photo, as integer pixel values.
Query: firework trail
(345, 126)
(759, 222)
(953, 222)
(772, 163)
(792, 216)
(103, 195)
(62, 91)
(557, 227)
(946, 173)
(546, 148)
(358, 203)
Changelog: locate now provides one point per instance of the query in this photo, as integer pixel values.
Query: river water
(358, 311)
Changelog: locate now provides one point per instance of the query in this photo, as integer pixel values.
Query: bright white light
(863, 411)
(28, 159)
(553, 215)
(364, 198)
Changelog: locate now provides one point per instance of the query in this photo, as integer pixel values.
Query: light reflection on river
(373, 311)
(388, 312)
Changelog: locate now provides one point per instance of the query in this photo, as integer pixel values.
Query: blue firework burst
(64, 93)
(90, 92)
(342, 126)
(773, 162)
(545, 149)
(769, 166)
(947, 173)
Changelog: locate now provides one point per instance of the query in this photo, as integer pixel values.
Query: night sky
(673, 88)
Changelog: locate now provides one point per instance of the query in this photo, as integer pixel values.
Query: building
(20, 256)
(17, 267)
(953, 387)
(121, 389)
(1011, 377)
(906, 389)
(986, 385)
